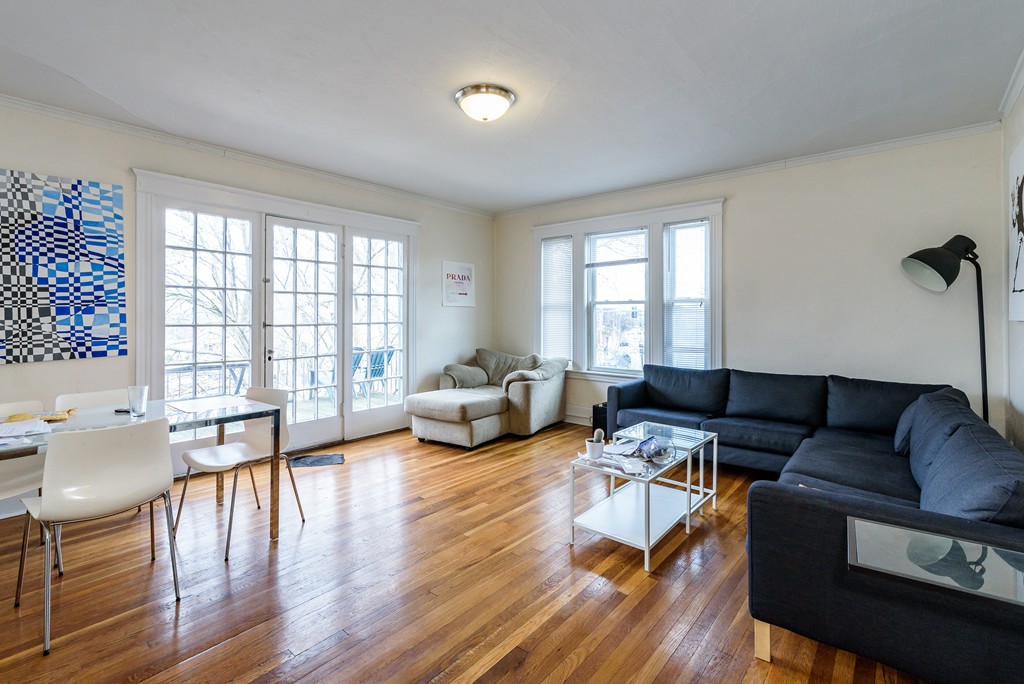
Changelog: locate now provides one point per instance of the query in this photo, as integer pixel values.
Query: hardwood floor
(417, 563)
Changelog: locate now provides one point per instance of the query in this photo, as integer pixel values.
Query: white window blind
(556, 297)
(687, 295)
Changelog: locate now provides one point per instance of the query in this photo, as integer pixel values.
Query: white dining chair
(254, 445)
(83, 400)
(96, 473)
(23, 473)
(86, 400)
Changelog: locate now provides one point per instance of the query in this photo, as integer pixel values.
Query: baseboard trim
(578, 414)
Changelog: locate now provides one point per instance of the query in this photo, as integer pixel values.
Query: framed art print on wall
(62, 277)
(1015, 173)
(458, 286)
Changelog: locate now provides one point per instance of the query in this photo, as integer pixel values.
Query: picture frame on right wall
(1015, 173)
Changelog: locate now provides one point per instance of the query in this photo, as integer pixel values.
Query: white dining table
(181, 415)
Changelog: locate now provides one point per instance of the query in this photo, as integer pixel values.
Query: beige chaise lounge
(494, 394)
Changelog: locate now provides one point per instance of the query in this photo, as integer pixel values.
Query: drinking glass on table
(137, 397)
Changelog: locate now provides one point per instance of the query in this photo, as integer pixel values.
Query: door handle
(270, 355)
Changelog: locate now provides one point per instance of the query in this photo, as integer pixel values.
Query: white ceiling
(612, 93)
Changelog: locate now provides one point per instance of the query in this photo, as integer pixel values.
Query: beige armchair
(492, 395)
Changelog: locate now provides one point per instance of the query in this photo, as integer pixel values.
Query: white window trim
(154, 189)
(655, 220)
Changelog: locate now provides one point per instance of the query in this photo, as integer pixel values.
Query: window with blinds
(616, 292)
(687, 310)
(556, 297)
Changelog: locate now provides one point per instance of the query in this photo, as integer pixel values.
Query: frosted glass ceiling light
(484, 101)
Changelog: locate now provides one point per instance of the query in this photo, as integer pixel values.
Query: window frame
(656, 220)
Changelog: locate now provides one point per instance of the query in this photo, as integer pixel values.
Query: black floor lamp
(936, 268)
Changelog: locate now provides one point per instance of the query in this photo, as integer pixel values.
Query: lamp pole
(973, 258)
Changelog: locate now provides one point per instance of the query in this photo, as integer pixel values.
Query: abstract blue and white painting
(62, 291)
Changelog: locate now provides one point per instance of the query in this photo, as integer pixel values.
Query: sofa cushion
(701, 391)
(855, 462)
(665, 416)
(865, 441)
(936, 417)
(772, 396)
(754, 433)
(457, 405)
(800, 480)
(977, 475)
(499, 364)
(750, 458)
(870, 405)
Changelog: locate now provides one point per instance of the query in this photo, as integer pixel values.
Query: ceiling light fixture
(484, 101)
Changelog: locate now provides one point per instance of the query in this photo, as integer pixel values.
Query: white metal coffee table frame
(640, 513)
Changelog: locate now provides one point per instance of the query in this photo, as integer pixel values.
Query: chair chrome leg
(288, 462)
(170, 542)
(254, 490)
(152, 534)
(181, 501)
(231, 515)
(60, 560)
(24, 552)
(46, 590)
(60, 554)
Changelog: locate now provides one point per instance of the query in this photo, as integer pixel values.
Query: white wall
(811, 274)
(1013, 135)
(54, 146)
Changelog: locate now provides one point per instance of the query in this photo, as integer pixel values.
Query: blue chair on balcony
(379, 360)
(358, 354)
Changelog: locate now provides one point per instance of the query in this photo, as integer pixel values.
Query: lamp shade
(935, 268)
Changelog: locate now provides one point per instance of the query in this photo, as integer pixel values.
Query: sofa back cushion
(773, 396)
(936, 416)
(871, 405)
(977, 475)
(700, 391)
(499, 364)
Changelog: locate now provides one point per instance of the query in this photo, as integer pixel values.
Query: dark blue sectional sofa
(911, 456)
(761, 418)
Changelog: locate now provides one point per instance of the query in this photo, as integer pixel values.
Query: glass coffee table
(642, 511)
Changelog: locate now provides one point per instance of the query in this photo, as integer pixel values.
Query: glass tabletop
(936, 559)
(681, 438)
(199, 413)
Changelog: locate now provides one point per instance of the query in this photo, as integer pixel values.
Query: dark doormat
(317, 460)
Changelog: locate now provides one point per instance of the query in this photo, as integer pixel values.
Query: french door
(233, 298)
(303, 326)
(378, 354)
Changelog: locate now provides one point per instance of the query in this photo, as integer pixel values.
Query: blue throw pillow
(977, 475)
(901, 440)
(936, 417)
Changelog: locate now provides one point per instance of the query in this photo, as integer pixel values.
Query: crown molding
(860, 150)
(226, 152)
(1013, 88)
